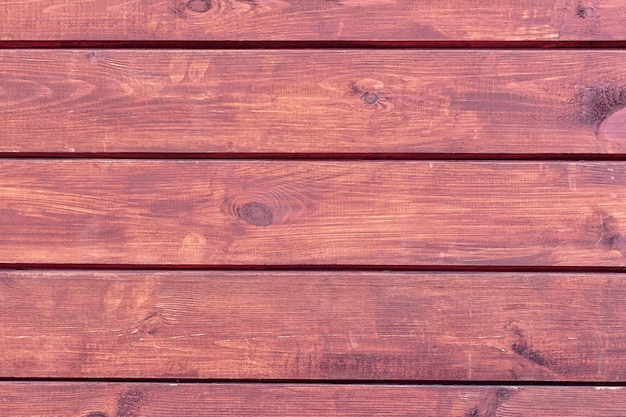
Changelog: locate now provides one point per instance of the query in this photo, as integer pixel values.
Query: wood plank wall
(313, 208)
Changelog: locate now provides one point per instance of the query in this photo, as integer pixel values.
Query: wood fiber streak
(132, 400)
(313, 20)
(313, 325)
(199, 212)
(318, 101)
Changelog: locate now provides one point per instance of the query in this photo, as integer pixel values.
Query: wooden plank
(202, 212)
(133, 400)
(313, 20)
(313, 325)
(319, 101)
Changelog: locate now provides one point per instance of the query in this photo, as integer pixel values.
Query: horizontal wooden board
(201, 212)
(313, 20)
(313, 325)
(133, 400)
(319, 101)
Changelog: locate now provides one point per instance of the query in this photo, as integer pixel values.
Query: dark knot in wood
(199, 6)
(256, 214)
(370, 98)
(586, 12)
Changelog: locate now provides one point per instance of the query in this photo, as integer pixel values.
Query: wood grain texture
(313, 20)
(313, 325)
(133, 400)
(319, 101)
(199, 212)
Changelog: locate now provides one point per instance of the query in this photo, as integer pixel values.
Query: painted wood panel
(313, 102)
(302, 325)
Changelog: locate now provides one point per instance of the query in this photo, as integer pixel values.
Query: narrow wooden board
(133, 400)
(313, 325)
(313, 20)
(199, 212)
(313, 101)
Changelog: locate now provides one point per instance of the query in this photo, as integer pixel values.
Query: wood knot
(473, 413)
(606, 228)
(151, 324)
(489, 403)
(586, 12)
(96, 55)
(601, 101)
(370, 98)
(522, 346)
(130, 402)
(97, 414)
(256, 214)
(199, 6)
(369, 90)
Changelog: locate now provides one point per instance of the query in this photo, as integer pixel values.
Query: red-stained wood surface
(199, 212)
(313, 101)
(313, 20)
(313, 325)
(161, 400)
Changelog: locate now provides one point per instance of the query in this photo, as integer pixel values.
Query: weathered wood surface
(133, 400)
(319, 101)
(199, 212)
(313, 20)
(313, 325)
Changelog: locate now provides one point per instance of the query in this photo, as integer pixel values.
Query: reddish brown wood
(83, 322)
(131, 400)
(313, 213)
(313, 20)
(303, 101)
(313, 325)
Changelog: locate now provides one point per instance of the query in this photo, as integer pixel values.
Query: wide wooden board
(313, 325)
(202, 212)
(312, 20)
(133, 400)
(313, 101)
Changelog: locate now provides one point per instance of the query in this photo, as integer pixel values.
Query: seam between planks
(314, 268)
(348, 156)
(358, 382)
(277, 45)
